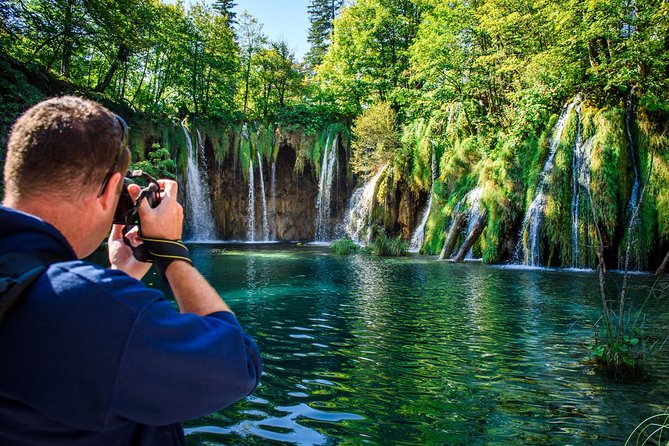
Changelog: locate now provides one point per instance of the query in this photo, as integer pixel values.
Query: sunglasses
(112, 169)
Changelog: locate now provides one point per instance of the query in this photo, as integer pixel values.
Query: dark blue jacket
(91, 356)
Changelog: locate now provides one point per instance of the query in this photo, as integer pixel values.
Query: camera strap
(18, 270)
(161, 252)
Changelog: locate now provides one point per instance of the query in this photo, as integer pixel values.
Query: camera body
(126, 210)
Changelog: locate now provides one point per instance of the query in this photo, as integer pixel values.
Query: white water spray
(251, 213)
(360, 210)
(265, 224)
(325, 186)
(535, 213)
(199, 216)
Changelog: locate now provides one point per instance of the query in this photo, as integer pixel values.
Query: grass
(385, 246)
(653, 430)
(344, 246)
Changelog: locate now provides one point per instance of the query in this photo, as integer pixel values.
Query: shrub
(385, 246)
(344, 246)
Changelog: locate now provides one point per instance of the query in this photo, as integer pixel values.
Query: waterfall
(324, 199)
(580, 182)
(419, 234)
(579, 173)
(418, 237)
(534, 216)
(474, 198)
(199, 216)
(360, 210)
(251, 213)
(265, 224)
(273, 196)
(636, 187)
(635, 196)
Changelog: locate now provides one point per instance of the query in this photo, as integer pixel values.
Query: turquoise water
(364, 350)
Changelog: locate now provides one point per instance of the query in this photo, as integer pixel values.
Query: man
(90, 356)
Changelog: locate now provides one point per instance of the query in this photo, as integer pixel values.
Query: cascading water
(251, 213)
(636, 186)
(579, 164)
(635, 196)
(534, 216)
(199, 216)
(265, 223)
(360, 210)
(474, 198)
(324, 199)
(418, 236)
(273, 196)
(580, 182)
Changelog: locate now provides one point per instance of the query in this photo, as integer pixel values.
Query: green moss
(557, 214)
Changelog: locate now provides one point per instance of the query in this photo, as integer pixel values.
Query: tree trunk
(67, 41)
(663, 267)
(246, 83)
(452, 237)
(121, 56)
(141, 81)
(472, 237)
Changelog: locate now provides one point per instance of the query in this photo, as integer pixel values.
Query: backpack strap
(18, 270)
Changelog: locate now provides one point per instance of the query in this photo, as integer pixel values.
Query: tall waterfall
(265, 223)
(534, 216)
(418, 237)
(273, 196)
(357, 224)
(635, 196)
(636, 187)
(199, 216)
(251, 213)
(579, 173)
(325, 186)
(474, 198)
(580, 183)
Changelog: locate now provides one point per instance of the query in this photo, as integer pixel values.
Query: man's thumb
(134, 191)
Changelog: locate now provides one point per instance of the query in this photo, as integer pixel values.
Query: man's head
(63, 147)
(66, 153)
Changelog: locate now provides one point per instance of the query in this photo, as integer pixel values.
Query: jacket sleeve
(181, 366)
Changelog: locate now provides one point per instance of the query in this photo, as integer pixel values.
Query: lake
(366, 350)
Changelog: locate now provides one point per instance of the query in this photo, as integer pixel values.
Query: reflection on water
(415, 351)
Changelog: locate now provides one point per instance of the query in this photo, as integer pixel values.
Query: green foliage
(385, 246)
(158, 164)
(375, 139)
(557, 214)
(321, 22)
(344, 246)
(620, 358)
(611, 174)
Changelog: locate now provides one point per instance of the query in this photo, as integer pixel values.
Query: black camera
(127, 211)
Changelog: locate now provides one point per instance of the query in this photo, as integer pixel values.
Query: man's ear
(109, 199)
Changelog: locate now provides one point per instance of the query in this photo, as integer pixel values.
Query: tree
(225, 8)
(369, 57)
(322, 14)
(375, 139)
(251, 40)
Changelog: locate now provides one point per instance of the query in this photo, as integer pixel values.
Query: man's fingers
(134, 191)
(170, 187)
(116, 232)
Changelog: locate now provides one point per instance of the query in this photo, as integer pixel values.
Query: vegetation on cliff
(452, 96)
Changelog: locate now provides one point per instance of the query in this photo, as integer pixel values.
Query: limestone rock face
(291, 208)
(402, 207)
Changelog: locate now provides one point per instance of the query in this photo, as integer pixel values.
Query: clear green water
(361, 350)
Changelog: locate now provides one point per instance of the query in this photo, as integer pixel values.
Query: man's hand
(120, 254)
(166, 220)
